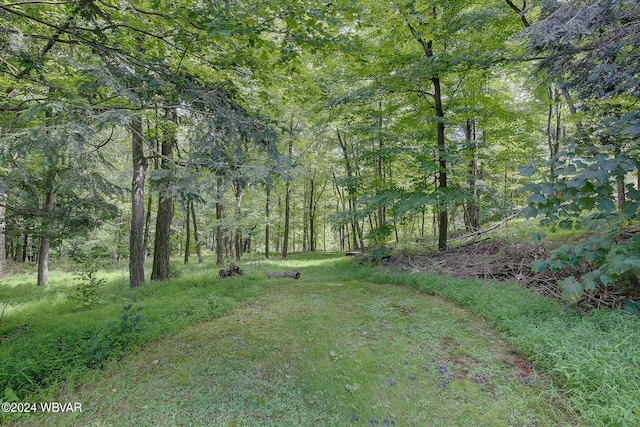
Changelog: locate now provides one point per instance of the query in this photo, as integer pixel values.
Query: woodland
(132, 129)
(152, 134)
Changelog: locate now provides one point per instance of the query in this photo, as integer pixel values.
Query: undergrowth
(49, 341)
(52, 335)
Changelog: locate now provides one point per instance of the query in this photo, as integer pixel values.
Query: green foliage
(46, 339)
(116, 337)
(581, 195)
(87, 291)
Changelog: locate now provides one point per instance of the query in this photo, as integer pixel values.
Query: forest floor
(329, 349)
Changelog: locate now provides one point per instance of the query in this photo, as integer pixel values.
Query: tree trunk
(187, 243)
(220, 216)
(45, 239)
(355, 231)
(267, 221)
(196, 237)
(312, 214)
(305, 218)
(43, 260)
(287, 210)
(471, 208)
(136, 237)
(443, 217)
(147, 226)
(162, 241)
(235, 247)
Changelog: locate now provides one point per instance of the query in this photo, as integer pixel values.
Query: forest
(144, 139)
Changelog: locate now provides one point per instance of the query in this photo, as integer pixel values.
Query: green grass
(330, 349)
(344, 345)
(47, 337)
(592, 357)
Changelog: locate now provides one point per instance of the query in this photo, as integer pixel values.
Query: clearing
(322, 351)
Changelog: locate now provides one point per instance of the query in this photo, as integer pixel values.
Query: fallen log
(286, 274)
(233, 270)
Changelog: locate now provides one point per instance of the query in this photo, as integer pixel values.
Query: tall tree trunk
(162, 241)
(443, 219)
(305, 218)
(147, 225)
(443, 216)
(355, 228)
(620, 187)
(136, 237)
(196, 237)
(471, 207)
(287, 210)
(312, 227)
(267, 222)
(279, 229)
(187, 243)
(25, 249)
(45, 238)
(220, 216)
(235, 247)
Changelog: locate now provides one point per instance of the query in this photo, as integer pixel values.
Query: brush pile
(508, 261)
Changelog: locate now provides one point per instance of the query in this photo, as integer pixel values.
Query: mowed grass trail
(323, 351)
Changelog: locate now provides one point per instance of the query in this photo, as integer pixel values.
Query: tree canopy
(315, 124)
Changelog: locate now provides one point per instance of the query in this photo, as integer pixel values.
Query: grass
(329, 349)
(344, 345)
(592, 357)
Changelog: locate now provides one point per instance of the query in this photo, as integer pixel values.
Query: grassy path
(323, 352)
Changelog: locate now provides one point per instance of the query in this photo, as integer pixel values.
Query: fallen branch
(233, 270)
(286, 274)
(484, 230)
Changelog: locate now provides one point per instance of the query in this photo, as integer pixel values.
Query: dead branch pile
(233, 270)
(507, 261)
(287, 274)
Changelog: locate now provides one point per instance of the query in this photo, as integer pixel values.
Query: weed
(87, 292)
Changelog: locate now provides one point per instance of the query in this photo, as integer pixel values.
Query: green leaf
(540, 265)
(571, 288)
(606, 205)
(529, 212)
(528, 170)
(537, 198)
(589, 280)
(538, 237)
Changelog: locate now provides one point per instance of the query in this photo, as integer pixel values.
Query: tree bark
(196, 237)
(220, 216)
(187, 243)
(471, 207)
(45, 238)
(147, 225)
(136, 237)
(235, 246)
(355, 228)
(287, 210)
(162, 241)
(267, 221)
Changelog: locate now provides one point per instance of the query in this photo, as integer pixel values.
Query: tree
(589, 175)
